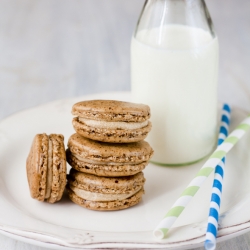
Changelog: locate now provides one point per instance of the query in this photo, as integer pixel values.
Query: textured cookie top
(106, 152)
(106, 185)
(36, 166)
(110, 110)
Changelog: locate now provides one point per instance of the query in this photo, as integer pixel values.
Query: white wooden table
(53, 49)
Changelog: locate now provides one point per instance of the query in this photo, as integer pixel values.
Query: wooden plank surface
(53, 49)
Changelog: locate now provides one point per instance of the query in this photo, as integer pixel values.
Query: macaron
(46, 167)
(104, 193)
(107, 159)
(111, 121)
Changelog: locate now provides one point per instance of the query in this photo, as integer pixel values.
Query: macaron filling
(49, 176)
(102, 163)
(91, 196)
(113, 125)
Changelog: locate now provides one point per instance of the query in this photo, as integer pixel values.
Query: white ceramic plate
(65, 225)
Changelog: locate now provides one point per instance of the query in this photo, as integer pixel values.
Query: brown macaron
(46, 168)
(106, 159)
(103, 193)
(111, 121)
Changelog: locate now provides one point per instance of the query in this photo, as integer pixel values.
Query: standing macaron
(111, 121)
(46, 168)
(107, 159)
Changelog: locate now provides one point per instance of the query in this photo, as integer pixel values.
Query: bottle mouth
(159, 13)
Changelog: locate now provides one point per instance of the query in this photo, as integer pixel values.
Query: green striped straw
(161, 230)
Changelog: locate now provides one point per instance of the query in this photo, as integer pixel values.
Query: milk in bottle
(174, 70)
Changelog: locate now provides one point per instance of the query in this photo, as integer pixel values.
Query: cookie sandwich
(104, 193)
(111, 121)
(46, 167)
(107, 159)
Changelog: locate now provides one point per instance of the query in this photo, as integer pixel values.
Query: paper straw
(214, 211)
(161, 230)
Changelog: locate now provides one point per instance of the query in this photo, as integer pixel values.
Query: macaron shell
(111, 110)
(59, 168)
(106, 205)
(36, 166)
(114, 185)
(104, 170)
(111, 135)
(136, 152)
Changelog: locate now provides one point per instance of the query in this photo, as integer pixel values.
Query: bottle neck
(159, 13)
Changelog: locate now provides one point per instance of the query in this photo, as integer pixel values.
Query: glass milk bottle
(174, 68)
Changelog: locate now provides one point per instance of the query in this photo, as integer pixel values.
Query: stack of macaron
(108, 153)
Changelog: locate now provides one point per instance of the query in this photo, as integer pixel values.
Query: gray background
(53, 49)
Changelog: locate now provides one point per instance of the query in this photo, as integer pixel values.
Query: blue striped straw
(212, 225)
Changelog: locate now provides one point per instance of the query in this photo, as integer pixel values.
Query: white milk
(178, 80)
